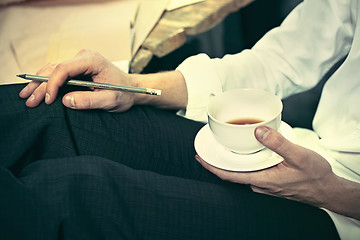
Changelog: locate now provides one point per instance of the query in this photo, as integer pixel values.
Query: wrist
(137, 80)
(342, 197)
(328, 191)
(172, 85)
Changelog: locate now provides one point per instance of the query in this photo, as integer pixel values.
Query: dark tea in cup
(234, 115)
(245, 121)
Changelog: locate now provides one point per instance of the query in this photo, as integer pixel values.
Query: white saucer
(216, 155)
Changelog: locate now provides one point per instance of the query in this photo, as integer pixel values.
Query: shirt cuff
(202, 82)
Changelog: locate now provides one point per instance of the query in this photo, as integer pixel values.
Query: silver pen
(94, 84)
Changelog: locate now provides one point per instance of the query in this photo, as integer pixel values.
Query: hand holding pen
(104, 75)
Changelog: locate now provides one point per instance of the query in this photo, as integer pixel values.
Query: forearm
(343, 197)
(172, 85)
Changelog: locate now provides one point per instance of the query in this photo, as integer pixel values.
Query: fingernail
(25, 90)
(31, 98)
(70, 100)
(262, 133)
(47, 97)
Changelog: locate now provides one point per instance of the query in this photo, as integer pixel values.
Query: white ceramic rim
(255, 124)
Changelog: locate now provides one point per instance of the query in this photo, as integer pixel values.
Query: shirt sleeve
(288, 59)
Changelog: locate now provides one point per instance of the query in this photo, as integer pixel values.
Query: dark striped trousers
(67, 174)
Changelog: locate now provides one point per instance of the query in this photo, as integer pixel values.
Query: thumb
(103, 99)
(276, 142)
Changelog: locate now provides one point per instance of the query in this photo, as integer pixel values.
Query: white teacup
(252, 106)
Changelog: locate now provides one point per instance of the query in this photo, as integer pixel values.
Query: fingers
(37, 95)
(61, 73)
(82, 100)
(36, 91)
(237, 177)
(29, 89)
(279, 144)
(86, 62)
(273, 140)
(262, 191)
(103, 99)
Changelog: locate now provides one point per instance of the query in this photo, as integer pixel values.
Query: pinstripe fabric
(68, 174)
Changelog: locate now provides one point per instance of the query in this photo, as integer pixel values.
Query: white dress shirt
(293, 58)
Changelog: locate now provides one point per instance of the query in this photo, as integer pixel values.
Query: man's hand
(303, 175)
(86, 63)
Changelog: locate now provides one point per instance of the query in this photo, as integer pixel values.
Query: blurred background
(240, 30)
